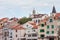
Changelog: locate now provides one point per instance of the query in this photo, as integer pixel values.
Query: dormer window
(51, 20)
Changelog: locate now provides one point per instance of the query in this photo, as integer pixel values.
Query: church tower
(53, 10)
(33, 11)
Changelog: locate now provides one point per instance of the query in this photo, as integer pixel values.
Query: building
(42, 27)
(17, 33)
(48, 28)
(37, 17)
(42, 30)
(1, 32)
(5, 33)
(31, 31)
(13, 31)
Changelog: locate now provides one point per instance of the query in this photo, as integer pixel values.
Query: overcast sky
(20, 8)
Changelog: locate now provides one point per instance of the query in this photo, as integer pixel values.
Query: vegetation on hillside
(24, 20)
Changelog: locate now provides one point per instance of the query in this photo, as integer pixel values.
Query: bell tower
(53, 10)
(33, 11)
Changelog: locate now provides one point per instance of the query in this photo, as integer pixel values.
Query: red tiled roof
(33, 24)
(38, 15)
(43, 21)
(18, 27)
(1, 27)
(57, 16)
(4, 20)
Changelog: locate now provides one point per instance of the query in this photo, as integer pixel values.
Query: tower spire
(34, 11)
(53, 10)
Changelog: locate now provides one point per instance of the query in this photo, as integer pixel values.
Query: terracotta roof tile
(57, 16)
(38, 15)
(18, 27)
(33, 24)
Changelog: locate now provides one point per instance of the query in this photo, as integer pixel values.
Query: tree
(24, 20)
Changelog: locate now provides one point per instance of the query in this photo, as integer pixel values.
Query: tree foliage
(24, 20)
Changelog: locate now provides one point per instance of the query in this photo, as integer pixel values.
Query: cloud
(16, 7)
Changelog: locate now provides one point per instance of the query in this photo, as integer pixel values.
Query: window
(11, 33)
(38, 21)
(42, 25)
(28, 31)
(10, 39)
(52, 26)
(47, 26)
(16, 35)
(34, 39)
(1, 24)
(18, 39)
(28, 39)
(42, 36)
(29, 35)
(10, 36)
(5, 38)
(42, 30)
(33, 30)
(51, 20)
(47, 32)
(52, 32)
(23, 38)
(27, 25)
(6, 34)
(34, 35)
(16, 30)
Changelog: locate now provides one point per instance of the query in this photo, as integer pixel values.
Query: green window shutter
(47, 32)
(52, 26)
(51, 20)
(47, 26)
(42, 25)
(42, 30)
(52, 32)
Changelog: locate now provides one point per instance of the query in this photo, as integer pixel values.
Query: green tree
(24, 20)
